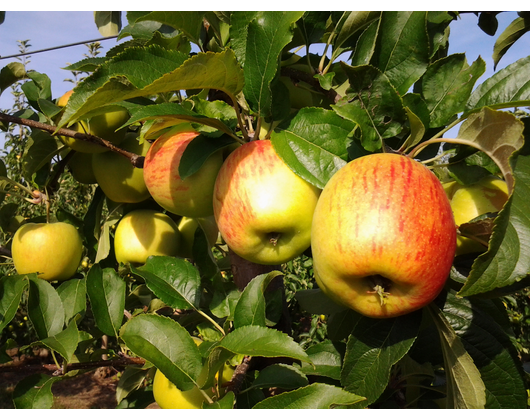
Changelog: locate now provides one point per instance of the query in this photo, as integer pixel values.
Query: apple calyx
(274, 237)
(379, 283)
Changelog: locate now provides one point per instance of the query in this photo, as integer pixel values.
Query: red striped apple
(383, 236)
(262, 208)
(53, 250)
(192, 196)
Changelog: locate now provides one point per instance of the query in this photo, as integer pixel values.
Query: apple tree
(199, 90)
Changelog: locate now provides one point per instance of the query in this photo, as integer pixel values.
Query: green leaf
(131, 379)
(352, 22)
(34, 391)
(106, 291)
(281, 376)
(176, 281)
(108, 23)
(250, 308)
(496, 133)
(188, 22)
(480, 324)
(266, 38)
(225, 403)
(239, 22)
(314, 144)
(45, 308)
(447, 85)
(313, 396)
(65, 342)
(326, 358)
(11, 73)
(515, 30)
(40, 149)
(167, 114)
(167, 345)
(148, 71)
(253, 340)
(365, 46)
(73, 296)
(198, 151)
(465, 388)
(507, 88)
(373, 103)
(402, 49)
(11, 289)
(375, 345)
(315, 301)
(507, 260)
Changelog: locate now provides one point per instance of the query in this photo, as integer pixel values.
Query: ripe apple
(168, 396)
(192, 196)
(103, 125)
(485, 196)
(262, 208)
(53, 250)
(80, 165)
(383, 236)
(117, 177)
(187, 227)
(144, 232)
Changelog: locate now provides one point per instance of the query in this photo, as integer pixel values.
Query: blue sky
(47, 29)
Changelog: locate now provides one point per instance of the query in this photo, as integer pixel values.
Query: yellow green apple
(52, 250)
(118, 178)
(187, 227)
(168, 396)
(80, 165)
(144, 232)
(262, 208)
(468, 202)
(192, 196)
(103, 125)
(383, 236)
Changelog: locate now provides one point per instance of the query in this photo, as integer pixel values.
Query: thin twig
(136, 160)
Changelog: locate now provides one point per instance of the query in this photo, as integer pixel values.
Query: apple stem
(383, 296)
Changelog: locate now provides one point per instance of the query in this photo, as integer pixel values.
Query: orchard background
(394, 89)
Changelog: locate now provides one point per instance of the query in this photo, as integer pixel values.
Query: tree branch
(136, 160)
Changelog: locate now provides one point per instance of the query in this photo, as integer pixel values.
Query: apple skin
(142, 233)
(262, 208)
(53, 250)
(118, 178)
(168, 396)
(187, 227)
(191, 197)
(80, 165)
(383, 219)
(102, 125)
(485, 196)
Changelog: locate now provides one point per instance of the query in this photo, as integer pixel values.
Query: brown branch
(239, 376)
(136, 160)
(309, 79)
(55, 371)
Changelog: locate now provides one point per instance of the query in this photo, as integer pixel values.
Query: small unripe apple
(118, 178)
(53, 250)
(468, 202)
(103, 125)
(262, 208)
(383, 236)
(80, 165)
(192, 196)
(168, 396)
(142, 233)
(187, 227)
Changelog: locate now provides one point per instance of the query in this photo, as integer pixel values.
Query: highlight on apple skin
(383, 236)
(262, 208)
(192, 196)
